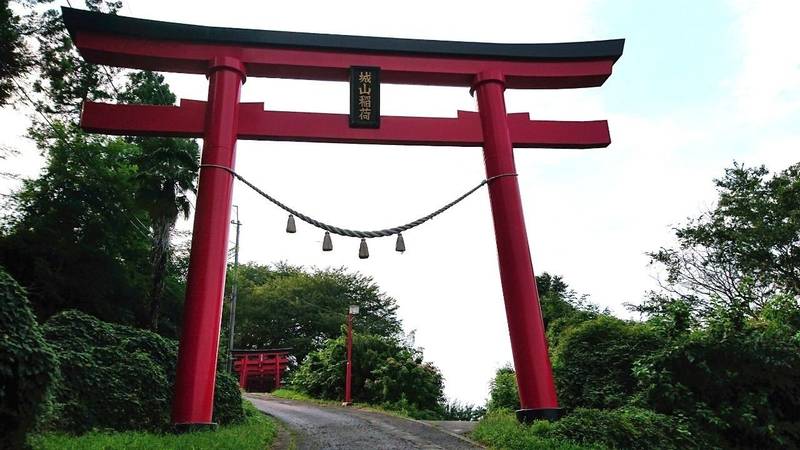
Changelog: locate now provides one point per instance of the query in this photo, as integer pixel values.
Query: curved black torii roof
(78, 20)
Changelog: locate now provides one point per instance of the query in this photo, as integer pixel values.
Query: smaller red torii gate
(265, 363)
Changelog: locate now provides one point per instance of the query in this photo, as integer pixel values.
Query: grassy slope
(500, 430)
(257, 432)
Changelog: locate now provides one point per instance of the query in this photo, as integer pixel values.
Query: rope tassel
(327, 244)
(290, 226)
(363, 250)
(400, 246)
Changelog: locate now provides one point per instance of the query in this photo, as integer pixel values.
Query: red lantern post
(348, 376)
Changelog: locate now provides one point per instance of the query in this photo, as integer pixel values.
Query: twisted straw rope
(356, 233)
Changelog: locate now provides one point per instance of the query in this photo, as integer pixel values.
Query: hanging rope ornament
(363, 252)
(327, 244)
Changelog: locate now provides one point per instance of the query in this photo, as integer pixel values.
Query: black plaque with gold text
(365, 97)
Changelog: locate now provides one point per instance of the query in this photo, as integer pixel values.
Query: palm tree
(167, 169)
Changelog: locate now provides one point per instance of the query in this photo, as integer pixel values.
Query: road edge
(385, 413)
(286, 438)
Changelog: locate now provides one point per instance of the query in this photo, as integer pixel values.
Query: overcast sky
(700, 84)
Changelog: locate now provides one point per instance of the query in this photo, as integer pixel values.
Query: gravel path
(317, 427)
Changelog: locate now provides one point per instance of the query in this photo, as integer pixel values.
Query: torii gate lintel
(228, 56)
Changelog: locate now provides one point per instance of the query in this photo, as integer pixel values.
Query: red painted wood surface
(260, 365)
(202, 310)
(523, 311)
(464, 130)
(193, 57)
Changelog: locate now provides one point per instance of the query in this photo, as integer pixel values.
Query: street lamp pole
(349, 370)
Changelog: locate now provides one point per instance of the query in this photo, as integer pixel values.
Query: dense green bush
(120, 378)
(625, 428)
(455, 410)
(385, 371)
(227, 399)
(500, 429)
(742, 386)
(27, 364)
(503, 392)
(593, 363)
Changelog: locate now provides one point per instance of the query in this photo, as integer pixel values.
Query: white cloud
(768, 85)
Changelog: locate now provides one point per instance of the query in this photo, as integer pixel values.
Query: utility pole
(349, 370)
(234, 291)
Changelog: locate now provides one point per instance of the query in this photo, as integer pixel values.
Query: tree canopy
(287, 306)
(94, 231)
(386, 371)
(742, 252)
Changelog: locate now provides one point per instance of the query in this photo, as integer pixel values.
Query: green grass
(257, 432)
(500, 430)
(295, 395)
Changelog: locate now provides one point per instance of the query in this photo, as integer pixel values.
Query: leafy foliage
(108, 205)
(166, 169)
(120, 378)
(593, 363)
(286, 306)
(500, 429)
(740, 386)
(72, 239)
(626, 428)
(562, 307)
(63, 79)
(27, 365)
(14, 57)
(741, 253)
(456, 410)
(503, 391)
(386, 372)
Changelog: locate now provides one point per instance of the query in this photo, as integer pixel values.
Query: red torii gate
(227, 56)
(260, 363)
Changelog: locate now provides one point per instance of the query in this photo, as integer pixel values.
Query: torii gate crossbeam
(227, 56)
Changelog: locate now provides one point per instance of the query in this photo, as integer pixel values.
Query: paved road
(316, 427)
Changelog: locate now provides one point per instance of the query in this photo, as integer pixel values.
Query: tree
(386, 371)
(142, 199)
(286, 306)
(737, 384)
(72, 236)
(63, 79)
(166, 173)
(562, 307)
(593, 363)
(14, 58)
(503, 390)
(742, 252)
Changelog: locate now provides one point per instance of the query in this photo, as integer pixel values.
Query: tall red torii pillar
(227, 56)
